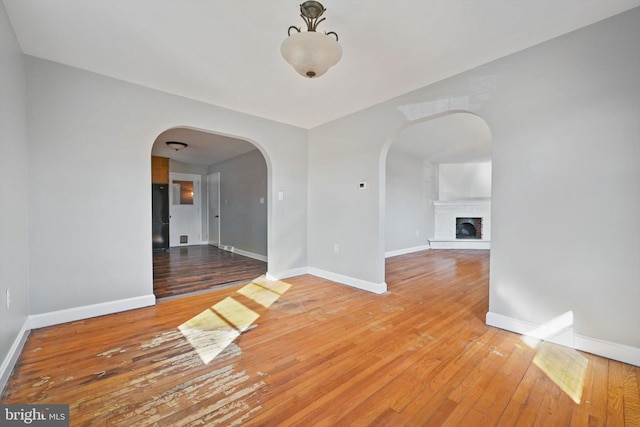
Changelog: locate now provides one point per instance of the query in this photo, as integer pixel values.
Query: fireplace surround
(468, 228)
(462, 224)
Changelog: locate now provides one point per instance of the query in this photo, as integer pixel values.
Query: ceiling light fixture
(175, 145)
(311, 53)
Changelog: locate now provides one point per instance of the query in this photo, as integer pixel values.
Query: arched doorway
(216, 191)
(437, 170)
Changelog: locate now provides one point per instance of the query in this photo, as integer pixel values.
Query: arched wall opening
(225, 219)
(433, 171)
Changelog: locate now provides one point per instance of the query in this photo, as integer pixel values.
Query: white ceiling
(203, 149)
(454, 138)
(227, 52)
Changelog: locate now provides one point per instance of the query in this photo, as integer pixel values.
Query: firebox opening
(468, 228)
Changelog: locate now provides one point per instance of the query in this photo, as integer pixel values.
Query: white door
(213, 184)
(185, 220)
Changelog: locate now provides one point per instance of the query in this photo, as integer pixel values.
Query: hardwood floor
(322, 354)
(188, 269)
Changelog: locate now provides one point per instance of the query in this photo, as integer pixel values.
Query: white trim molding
(460, 244)
(406, 251)
(249, 254)
(376, 288)
(620, 352)
(14, 353)
(88, 311)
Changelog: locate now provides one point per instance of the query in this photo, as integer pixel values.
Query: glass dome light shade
(310, 53)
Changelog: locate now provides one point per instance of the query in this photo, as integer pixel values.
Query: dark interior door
(160, 216)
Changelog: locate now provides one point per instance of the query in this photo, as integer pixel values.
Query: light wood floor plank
(321, 354)
(631, 395)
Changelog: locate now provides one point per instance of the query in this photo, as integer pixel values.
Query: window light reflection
(212, 330)
(563, 365)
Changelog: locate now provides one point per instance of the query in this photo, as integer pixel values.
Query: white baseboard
(88, 311)
(14, 353)
(460, 244)
(376, 288)
(610, 350)
(249, 254)
(406, 251)
(35, 321)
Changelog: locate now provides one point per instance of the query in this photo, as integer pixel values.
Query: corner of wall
(10, 360)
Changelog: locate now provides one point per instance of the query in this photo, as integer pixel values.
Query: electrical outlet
(417, 232)
(336, 248)
(8, 299)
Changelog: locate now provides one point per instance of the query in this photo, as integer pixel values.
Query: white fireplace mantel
(463, 202)
(446, 212)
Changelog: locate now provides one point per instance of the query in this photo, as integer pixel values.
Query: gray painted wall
(464, 181)
(410, 187)
(564, 120)
(565, 163)
(90, 140)
(243, 219)
(343, 153)
(14, 249)
(179, 167)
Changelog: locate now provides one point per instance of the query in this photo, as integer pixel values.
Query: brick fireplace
(462, 224)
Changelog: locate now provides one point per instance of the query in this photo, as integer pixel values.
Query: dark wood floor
(189, 269)
(322, 354)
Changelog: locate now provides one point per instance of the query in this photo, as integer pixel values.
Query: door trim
(197, 190)
(209, 179)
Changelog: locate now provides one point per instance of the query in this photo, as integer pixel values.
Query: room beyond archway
(210, 211)
(437, 172)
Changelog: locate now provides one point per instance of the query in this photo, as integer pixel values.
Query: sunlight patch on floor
(208, 334)
(563, 365)
(212, 330)
(237, 314)
(277, 286)
(263, 296)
